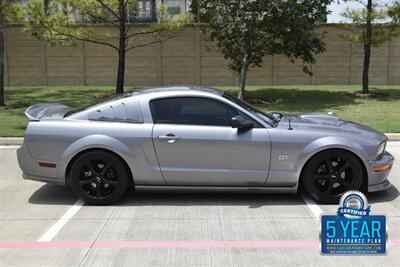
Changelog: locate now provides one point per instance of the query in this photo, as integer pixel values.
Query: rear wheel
(329, 174)
(99, 178)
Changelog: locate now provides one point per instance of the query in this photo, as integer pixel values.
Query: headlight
(381, 149)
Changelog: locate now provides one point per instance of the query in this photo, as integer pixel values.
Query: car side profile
(198, 139)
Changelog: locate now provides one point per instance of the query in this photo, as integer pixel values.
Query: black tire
(329, 174)
(99, 178)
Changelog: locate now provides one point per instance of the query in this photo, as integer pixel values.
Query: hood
(47, 111)
(331, 123)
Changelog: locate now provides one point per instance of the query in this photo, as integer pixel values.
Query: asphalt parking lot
(45, 225)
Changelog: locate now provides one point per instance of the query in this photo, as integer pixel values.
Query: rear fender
(93, 142)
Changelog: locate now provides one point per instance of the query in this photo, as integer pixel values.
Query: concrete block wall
(187, 59)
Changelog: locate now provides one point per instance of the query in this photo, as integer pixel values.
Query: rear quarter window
(120, 111)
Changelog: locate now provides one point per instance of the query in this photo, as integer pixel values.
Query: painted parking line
(312, 206)
(243, 244)
(161, 244)
(52, 232)
(9, 147)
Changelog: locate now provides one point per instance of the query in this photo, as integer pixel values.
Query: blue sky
(336, 9)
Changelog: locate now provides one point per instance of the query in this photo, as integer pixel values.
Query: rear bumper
(378, 180)
(43, 179)
(33, 171)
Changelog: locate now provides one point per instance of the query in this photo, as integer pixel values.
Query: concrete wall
(186, 59)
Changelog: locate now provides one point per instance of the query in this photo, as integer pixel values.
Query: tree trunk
(2, 102)
(243, 76)
(367, 49)
(46, 4)
(121, 72)
(121, 49)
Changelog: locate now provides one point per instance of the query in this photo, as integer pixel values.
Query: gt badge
(283, 157)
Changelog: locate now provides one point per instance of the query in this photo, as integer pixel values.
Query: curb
(17, 141)
(11, 141)
(393, 136)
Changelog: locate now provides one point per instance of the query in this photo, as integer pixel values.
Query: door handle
(171, 138)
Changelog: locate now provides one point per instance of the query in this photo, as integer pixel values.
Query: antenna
(290, 125)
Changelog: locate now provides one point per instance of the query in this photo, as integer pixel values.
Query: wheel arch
(362, 163)
(96, 142)
(74, 158)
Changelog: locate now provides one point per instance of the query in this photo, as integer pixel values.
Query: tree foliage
(382, 29)
(394, 12)
(8, 11)
(248, 30)
(65, 21)
(372, 25)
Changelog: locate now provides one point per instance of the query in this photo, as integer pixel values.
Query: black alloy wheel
(329, 174)
(99, 178)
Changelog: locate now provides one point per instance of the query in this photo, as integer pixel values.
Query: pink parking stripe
(394, 243)
(208, 244)
(248, 244)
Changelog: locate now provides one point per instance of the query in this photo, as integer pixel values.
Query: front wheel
(329, 174)
(99, 178)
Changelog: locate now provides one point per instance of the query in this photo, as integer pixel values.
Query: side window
(192, 111)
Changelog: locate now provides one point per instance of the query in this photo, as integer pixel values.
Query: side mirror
(241, 123)
(277, 116)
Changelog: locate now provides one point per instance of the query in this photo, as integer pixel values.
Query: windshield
(100, 102)
(268, 118)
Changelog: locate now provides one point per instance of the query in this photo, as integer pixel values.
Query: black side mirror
(241, 123)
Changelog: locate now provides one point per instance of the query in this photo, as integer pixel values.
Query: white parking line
(9, 147)
(312, 206)
(52, 232)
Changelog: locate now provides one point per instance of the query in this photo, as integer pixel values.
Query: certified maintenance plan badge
(353, 230)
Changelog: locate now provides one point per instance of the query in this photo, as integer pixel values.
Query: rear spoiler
(36, 112)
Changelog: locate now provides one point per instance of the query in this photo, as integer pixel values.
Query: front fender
(91, 142)
(329, 142)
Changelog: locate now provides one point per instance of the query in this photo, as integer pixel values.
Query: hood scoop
(318, 118)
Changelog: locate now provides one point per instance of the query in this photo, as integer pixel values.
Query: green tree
(8, 10)
(248, 30)
(65, 21)
(371, 26)
(46, 4)
(394, 12)
(194, 9)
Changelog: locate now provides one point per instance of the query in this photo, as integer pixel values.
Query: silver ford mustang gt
(189, 138)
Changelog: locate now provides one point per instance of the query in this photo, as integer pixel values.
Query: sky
(336, 9)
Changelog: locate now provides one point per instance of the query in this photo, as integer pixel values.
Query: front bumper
(379, 187)
(377, 180)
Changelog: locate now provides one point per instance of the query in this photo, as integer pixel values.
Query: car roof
(172, 89)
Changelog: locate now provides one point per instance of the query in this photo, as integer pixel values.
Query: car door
(195, 144)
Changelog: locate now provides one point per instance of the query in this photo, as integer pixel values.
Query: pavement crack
(97, 236)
